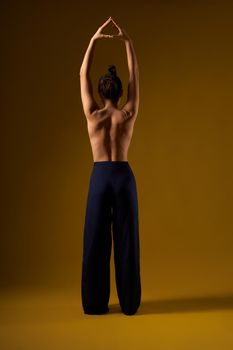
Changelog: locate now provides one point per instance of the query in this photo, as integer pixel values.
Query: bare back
(110, 133)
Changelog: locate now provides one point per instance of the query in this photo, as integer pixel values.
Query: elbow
(82, 70)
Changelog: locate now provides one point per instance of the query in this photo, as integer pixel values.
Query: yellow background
(181, 152)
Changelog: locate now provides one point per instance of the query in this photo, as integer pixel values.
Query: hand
(122, 35)
(99, 34)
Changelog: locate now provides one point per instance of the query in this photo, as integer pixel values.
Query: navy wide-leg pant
(111, 211)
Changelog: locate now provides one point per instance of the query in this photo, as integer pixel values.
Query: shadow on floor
(189, 304)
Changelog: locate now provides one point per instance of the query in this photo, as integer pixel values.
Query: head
(110, 86)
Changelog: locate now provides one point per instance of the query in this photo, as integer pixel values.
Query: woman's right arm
(131, 107)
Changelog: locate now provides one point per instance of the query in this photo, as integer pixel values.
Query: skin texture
(110, 129)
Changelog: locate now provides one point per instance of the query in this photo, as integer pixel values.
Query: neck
(109, 103)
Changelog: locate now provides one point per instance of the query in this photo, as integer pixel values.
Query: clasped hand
(122, 35)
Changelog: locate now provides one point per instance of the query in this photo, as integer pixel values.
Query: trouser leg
(97, 243)
(126, 245)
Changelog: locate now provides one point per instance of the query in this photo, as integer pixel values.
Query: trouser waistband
(110, 162)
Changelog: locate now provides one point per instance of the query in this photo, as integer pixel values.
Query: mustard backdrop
(181, 152)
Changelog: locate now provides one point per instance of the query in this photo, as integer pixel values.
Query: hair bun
(112, 70)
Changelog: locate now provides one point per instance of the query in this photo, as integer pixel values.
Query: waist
(110, 162)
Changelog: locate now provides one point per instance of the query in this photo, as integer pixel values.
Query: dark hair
(110, 86)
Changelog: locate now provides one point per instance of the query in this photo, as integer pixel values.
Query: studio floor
(55, 320)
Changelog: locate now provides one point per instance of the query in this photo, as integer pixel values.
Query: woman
(112, 201)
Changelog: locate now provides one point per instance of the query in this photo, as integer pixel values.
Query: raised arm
(88, 101)
(131, 107)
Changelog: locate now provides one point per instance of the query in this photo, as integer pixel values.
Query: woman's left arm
(88, 101)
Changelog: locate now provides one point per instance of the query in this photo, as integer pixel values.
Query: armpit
(126, 114)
